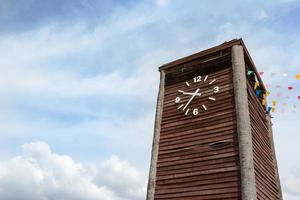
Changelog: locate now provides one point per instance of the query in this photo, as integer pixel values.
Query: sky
(79, 82)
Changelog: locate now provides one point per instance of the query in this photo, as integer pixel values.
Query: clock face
(196, 95)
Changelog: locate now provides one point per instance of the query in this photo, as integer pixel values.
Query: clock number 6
(195, 111)
(197, 79)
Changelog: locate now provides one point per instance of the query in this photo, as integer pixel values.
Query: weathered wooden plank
(263, 157)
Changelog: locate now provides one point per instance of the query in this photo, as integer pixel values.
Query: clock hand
(194, 94)
(189, 93)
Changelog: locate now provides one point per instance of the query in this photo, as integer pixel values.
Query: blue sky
(79, 80)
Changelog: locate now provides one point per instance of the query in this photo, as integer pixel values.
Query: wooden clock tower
(213, 137)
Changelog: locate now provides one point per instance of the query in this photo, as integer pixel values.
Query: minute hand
(189, 93)
(191, 99)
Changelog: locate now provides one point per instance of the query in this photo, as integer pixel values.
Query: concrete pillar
(157, 126)
(248, 188)
(269, 123)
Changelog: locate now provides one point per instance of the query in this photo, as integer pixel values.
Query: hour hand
(189, 93)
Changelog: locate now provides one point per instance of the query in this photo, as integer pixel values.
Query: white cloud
(262, 15)
(27, 61)
(162, 3)
(115, 174)
(39, 174)
(291, 184)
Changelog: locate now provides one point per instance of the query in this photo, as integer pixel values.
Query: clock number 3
(216, 89)
(197, 79)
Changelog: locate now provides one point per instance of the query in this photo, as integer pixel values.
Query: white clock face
(188, 95)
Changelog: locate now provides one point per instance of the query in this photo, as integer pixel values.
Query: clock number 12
(197, 79)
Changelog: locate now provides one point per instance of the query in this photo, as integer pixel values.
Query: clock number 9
(195, 111)
(216, 89)
(197, 79)
(177, 100)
